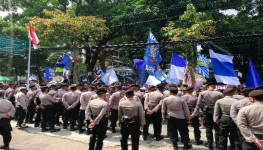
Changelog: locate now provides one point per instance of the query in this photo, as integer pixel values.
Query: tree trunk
(75, 67)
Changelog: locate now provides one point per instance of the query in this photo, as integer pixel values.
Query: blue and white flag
(159, 74)
(110, 77)
(152, 81)
(223, 68)
(177, 68)
(152, 55)
(49, 73)
(253, 79)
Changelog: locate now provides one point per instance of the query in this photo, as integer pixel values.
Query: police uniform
(31, 94)
(84, 100)
(47, 110)
(96, 112)
(206, 101)
(177, 112)
(6, 108)
(236, 106)
(59, 105)
(114, 103)
(222, 117)
(153, 103)
(191, 101)
(70, 101)
(131, 117)
(249, 121)
(10, 94)
(38, 109)
(21, 101)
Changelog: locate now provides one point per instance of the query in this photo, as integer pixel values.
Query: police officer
(10, 93)
(249, 121)
(222, 118)
(47, 110)
(131, 118)
(152, 106)
(95, 113)
(53, 89)
(70, 101)
(137, 92)
(191, 101)
(7, 111)
(21, 101)
(206, 101)
(31, 94)
(114, 103)
(236, 106)
(177, 112)
(84, 100)
(59, 105)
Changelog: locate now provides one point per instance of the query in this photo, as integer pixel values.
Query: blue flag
(178, 65)
(152, 55)
(253, 79)
(140, 70)
(110, 77)
(202, 65)
(139, 64)
(49, 72)
(159, 74)
(66, 60)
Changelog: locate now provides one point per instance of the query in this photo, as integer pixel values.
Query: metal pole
(29, 62)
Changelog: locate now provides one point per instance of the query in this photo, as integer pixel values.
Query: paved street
(32, 139)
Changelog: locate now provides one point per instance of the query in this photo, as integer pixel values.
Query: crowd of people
(234, 114)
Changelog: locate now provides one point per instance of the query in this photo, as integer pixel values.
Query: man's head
(117, 87)
(101, 92)
(135, 87)
(245, 92)
(256, 95)
(151, 88)
(210, 86)
(173, 91)
(230, 91)
(80, 87)
(44, 89)
(91, 88)
(23, 90)
(33, 86)
(64, 86)
(129, 93)
(189, 89)
(73, 87)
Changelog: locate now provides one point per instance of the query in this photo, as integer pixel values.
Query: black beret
(189, 88)
(124, 88)
(259, 87)
(101, 91)
(159, 85)
(172, 85)
(151, 87)
(44, 87)
(135, 85)
(80, 84)
(229, 89)
(130, 91)
(210, 83)
(256, 93)
(246, 90)
(63, 84)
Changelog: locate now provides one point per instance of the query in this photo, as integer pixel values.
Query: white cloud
(5, 13)
(229, 12)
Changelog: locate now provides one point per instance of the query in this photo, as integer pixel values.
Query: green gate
(11, 46)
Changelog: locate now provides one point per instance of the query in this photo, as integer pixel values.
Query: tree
(59, 28)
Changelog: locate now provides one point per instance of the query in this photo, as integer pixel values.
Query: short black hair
(173, 90)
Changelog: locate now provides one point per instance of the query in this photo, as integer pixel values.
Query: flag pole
(29, 62)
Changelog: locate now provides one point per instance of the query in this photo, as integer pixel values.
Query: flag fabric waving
(110, 77)
(177, 68)
(159, 74)
(152, 81)
(202, 65)
(253, 79)
(49, 73)
(33, 36)
(66, 60)
(152, 55)
(223, 68)
(139, 64)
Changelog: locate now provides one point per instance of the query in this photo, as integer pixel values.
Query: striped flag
(33, 36)
(223, 68)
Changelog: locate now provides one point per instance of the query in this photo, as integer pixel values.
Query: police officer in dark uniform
(47, 110)
(131, 118)
(96, 112)
(31, 94)
(7, 111)
(191, 101)
(222, 117)
(206, 102)
(177, 112)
